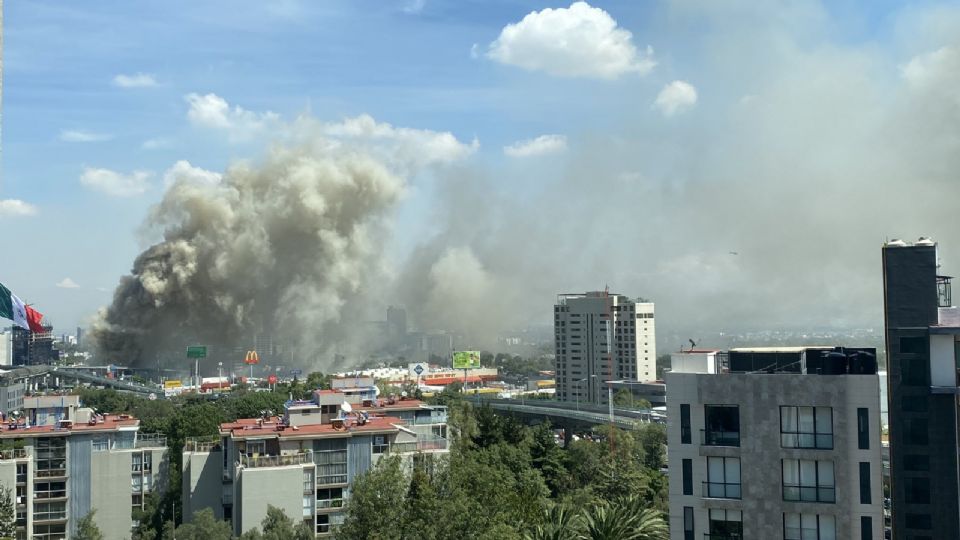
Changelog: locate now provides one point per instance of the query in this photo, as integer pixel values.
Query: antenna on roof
(693, 344)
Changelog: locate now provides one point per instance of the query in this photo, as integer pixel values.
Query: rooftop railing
(438, 443)
(13, 453)
(151, 440)
(202, 444)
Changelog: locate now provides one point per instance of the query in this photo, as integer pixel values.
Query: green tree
(626, 519)
(558, 522)
(87, 529)
(422, 507)
(276, 525)
(8, 514)
(203, 526)
(376, 504)
(623, 398)
(318, 381)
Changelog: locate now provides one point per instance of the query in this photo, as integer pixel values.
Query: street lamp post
(596, 388)
(220, 376)
(577, 382)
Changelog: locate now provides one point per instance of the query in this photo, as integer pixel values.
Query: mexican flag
(23, 316)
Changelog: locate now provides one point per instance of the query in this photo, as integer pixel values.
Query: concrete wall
(281, 487)
(759, 397)
(202, 483)
(111, 493)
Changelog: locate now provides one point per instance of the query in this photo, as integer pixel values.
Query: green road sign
(199, 351)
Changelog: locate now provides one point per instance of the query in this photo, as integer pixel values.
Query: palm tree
(557, 522)
(625, 519)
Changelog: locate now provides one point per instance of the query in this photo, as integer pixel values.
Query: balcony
(802, 439)
(13, 453)
(256, 462)
(151, 440)
(798, 493)
(714, 437)
(202, 444)
(721, 490)
(324, 504)
(438, 443)
(50, 473)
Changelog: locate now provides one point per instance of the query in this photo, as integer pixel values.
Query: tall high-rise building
(601, 337)
(33, 348)
(775, 443)
(922, 329)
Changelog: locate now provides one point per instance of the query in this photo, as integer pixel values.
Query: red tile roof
(111, 422)
(250, 427)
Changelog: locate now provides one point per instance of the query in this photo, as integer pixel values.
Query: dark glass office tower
(921, 333)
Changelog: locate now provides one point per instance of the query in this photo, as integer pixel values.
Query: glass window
(917, 490)
(916, 462)
(307, 506)
(721, 425)
(806, 427)
(866, 528)
(723, 478)
(919, 521)
(865, 482)
(863, 428)
(809, 527)
(688, 477)
(808, 481)
(136, 462)
(726, 524)
(684, 423)
(101, 443)
(380, 444)
(687, 523)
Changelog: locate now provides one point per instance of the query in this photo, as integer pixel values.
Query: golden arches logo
(252, 358)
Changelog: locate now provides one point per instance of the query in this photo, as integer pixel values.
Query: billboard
(466, 359)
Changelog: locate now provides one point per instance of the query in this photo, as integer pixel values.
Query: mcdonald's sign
(252, 358)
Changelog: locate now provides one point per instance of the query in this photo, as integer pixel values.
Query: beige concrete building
(305, 460)
(775, 443)
(601, 337)
(60, 472)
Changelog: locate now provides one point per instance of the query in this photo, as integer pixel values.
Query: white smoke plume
(282, 248)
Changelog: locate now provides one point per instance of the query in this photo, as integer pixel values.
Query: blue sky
(431, 66)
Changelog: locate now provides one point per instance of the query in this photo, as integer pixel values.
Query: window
(47, 511)
(684, 423)
(918, 431)
(380, 444)
(808, 481)
(722, 425)
(866, 528)
(308, 481)
(863, 428)
(913, 345)
(148, 462)
(916, 462)
(917, 490)
(136, 483)
(725, 524)
(147, 482)
(330, 498)
(49, 490)
(308, 505)
(865, 482)
(256, 448)
(49, 531)
(914, 372)
(914, 404)
(101, 443)
(687, 523)
(688, 477)
(330, 457)
(723, 478)
(136, 462)
(809, 527)
(806, 427)
(919, 521)
(323, 523)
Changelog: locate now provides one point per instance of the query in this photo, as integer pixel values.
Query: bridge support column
(567, 433)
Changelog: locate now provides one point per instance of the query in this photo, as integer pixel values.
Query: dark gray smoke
(283, 249)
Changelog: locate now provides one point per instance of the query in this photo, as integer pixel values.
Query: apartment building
(600, 337)
(305, 460)
(923, 356)
(61, 471)
(775, 443)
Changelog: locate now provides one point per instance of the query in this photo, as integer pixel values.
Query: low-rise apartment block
(775, 443)
(305, 460)
(62, 470)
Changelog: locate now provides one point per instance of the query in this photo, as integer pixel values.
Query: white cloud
(137, 80)
(212, 111)
(183, 171)
(78, 135)
(156, 143)
(114, 183)
(16, 208)
(676, 97)
(67, 283)
(416, 147)
(414, 6)
(544, 144)
(579, 41)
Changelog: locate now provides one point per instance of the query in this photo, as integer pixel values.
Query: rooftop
(268, 427)
(109, 422)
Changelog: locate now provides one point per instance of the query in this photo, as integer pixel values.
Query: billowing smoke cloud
(283, 248)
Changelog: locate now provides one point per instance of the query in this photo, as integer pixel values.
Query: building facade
(305, 460)
(601, 337)
(776, 443)
(922, 366)
(62, 471)
(33, 348)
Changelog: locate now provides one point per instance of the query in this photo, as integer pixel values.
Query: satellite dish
(346, 407)
(403, 393)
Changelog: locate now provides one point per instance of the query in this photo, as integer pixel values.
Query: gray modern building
(775, 443)
(922, 327)
(601, 337)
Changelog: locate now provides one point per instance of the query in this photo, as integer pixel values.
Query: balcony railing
(202, 444)
(797, 493)
(800, 439)
(432, 419)
(151, 440)
(716, 437)
(276, 461)
(721, 490)
(329, 503)
(50, 473)
(438, 443)
(13, 453)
